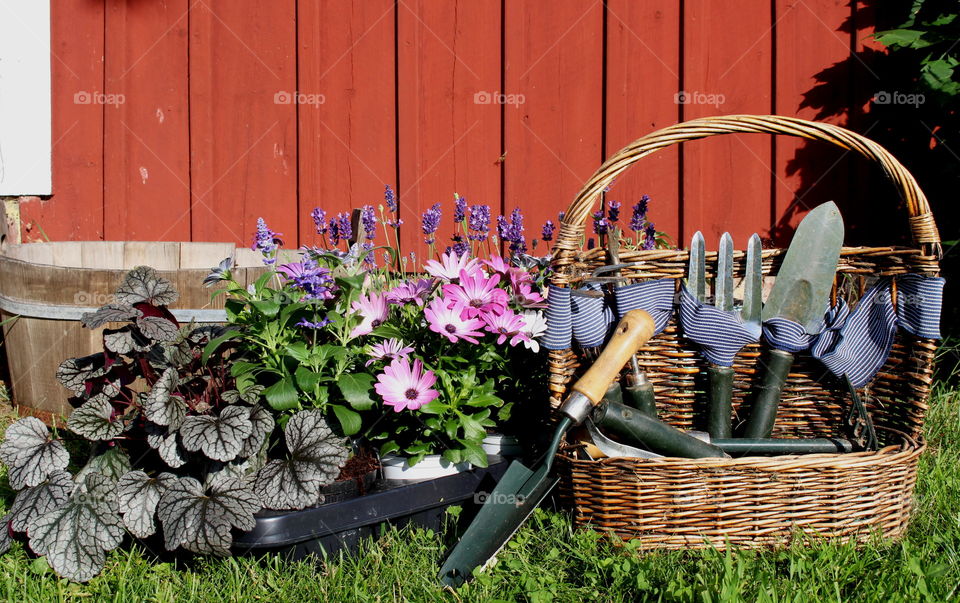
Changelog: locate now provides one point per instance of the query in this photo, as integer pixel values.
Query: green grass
(549, 560)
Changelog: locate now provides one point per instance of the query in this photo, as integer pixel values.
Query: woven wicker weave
(756, 501)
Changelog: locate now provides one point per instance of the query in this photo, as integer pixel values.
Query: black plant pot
(342, 525)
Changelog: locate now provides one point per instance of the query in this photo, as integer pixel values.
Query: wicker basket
(754, 501)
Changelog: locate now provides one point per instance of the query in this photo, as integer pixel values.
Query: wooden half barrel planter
(49, 286)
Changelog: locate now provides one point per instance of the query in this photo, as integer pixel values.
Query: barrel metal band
(61, 312)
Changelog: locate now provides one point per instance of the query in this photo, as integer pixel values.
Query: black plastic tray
(340, 526)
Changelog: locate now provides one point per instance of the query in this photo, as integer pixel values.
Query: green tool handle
(721, 401)
(764, 413)
(641, 397)
(651, 433)
(776, 446)
(614, 393)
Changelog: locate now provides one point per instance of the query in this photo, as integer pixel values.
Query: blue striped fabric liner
(861, 344)
(591, 317)
(559, 326)
(655, 297)
(919, 301)
(720, 334)
(787, 335)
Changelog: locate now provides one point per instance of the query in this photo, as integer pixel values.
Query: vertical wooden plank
(813, 84)
(450, 108)
(146, 133)
(727, 69)
(643, 77)
(553, 58)
(243, 119)
(348, 142)
(75, 210)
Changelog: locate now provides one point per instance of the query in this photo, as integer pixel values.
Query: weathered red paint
(385, 92)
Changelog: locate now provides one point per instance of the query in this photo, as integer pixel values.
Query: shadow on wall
(880, 97)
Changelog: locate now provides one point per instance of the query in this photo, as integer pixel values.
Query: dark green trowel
(521, 489)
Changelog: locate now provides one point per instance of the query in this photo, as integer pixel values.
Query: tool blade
(724, 286)
(801, 292)
(753, 284)
(695, 275)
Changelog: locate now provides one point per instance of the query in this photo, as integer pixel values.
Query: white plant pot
(506, 446)
(431, 467)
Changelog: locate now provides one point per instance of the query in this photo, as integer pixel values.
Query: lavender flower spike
(548, 228)
(459, 208)
(392, 205)
(613, 211)
(478, 223)
(650, 236)
(639, 217)
(430, 221)
(600, 224)
(266, 241)
(368, 219)
(319, 220)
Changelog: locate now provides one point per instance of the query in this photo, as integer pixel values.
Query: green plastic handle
(641, 397)
(764, 414)
(721, 405)
(614, 393)
(636, 428)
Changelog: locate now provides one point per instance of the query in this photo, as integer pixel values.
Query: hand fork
(720, 406)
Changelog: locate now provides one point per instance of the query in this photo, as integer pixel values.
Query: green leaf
(240, 367)
(356, 389)
(211, 347)
(899, 37)
(262, 281)
(387, 330)
(299, 351)
(282, 395)
(434, 407)
(307, 379)
(350, 420)
(351, 282)
(474, 453)
(472, 428)
(267, 307)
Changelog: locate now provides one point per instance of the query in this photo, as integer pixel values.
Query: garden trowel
(522, 488)
(801, 293)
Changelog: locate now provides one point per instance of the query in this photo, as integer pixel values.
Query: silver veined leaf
(31, 454)
(178, 354)
(111, 464)
(262, 423)
(205, 334)
(109, 313)
(74, 372)
(75, 536)
(125, 340)
(38, 500)
(316, 456)
(230, 396)
(171, 451)
(200, 519)
(5, 538)
(160, 405)
(242, 469)
(158, 328)
(144, 284)
(252, 394)
(137, 497)
(95, 420)
(219, 437)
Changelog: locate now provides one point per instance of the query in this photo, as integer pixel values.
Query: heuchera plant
(420, 358)
(174, 437)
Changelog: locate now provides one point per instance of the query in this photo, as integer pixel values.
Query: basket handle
(923, 228)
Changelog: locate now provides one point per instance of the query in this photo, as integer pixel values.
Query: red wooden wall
(206, 139)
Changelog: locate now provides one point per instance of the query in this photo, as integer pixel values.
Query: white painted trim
(25, 121)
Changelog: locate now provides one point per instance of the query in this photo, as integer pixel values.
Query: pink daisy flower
(519, 277)
(446, 319)
(411, 291)
(404, 387)
(507, 325)
(450, 266)
(498, 265)
(527, 297)
(373, 309)
(388, 348)
(477, 294)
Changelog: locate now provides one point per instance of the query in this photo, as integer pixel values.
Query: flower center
(476, 303)
(376, 323)
(411, 394)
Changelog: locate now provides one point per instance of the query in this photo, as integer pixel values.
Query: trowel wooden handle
(635, 328)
